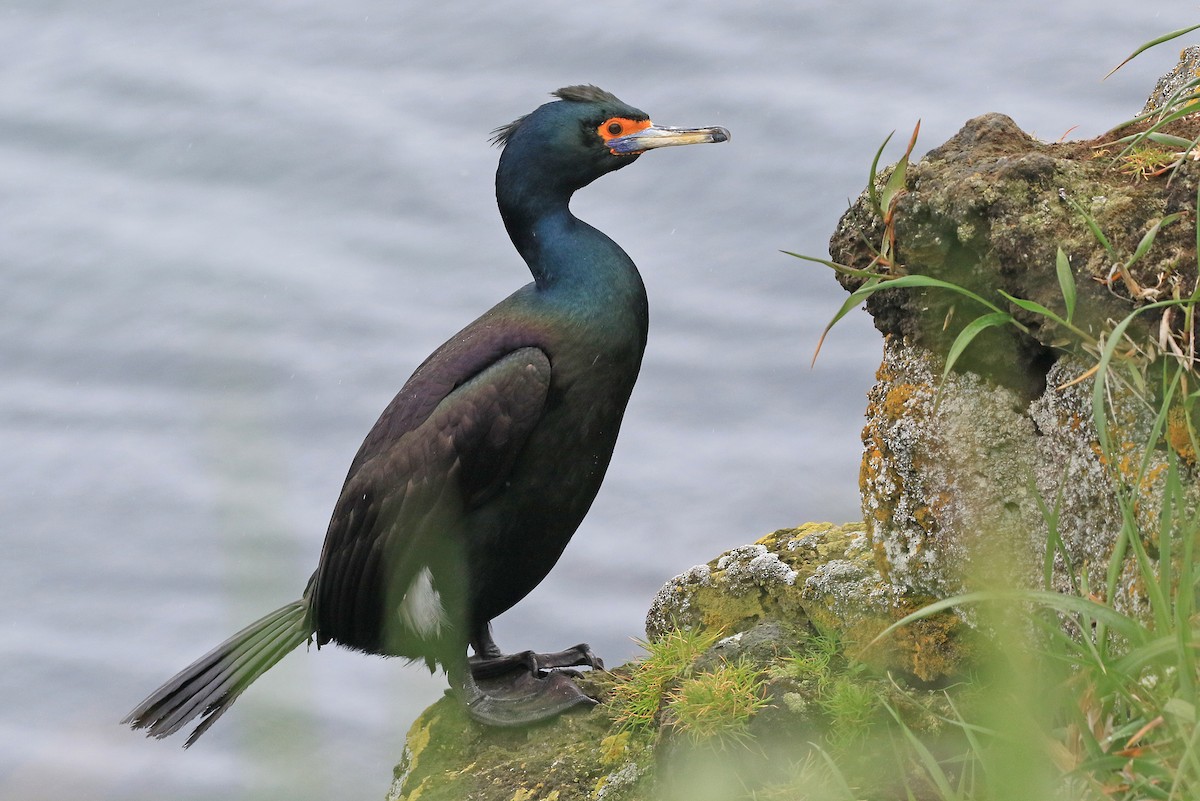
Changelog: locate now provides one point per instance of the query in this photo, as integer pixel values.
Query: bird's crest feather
(580, 93)
(585, 93)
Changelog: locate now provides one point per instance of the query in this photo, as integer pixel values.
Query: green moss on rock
(449, 757)
(754, 609)
(818, 577)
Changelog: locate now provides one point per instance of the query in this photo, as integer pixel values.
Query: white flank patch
(421, 610)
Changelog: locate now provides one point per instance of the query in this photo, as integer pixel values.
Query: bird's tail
(208, 686)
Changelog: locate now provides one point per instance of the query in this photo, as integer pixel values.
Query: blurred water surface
(229, 231)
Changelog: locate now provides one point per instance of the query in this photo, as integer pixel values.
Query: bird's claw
(580, 655)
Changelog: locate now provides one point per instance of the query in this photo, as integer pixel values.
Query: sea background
(230, 230)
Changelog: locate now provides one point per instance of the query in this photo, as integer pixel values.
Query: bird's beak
(660, 136)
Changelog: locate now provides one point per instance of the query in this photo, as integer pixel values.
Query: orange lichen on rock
(898, 400)
(1180, 435)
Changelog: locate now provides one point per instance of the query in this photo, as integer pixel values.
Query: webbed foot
(518, 697)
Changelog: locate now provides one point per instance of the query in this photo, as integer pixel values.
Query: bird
(467, 489)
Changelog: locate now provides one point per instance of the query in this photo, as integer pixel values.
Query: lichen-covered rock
(752, 583)
(767, 600)
(945, 477)
(1081, 484)
(817, 577)
(1170, 85)
(449, 757)
(958, 478)
(989, 210)
(963, 476)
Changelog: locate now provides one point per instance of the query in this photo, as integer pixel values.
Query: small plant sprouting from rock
(1150, 162)
(850, 699)
(813, 663)
(712, 705)
(636, 702)
(717, 705)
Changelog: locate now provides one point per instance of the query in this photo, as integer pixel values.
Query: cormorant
(465, 492)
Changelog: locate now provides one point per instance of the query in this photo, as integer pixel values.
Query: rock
(1174, 81)
(767, 600)
(961, 474)
(945, 477)
(449, 757)
(988, 211)
(1082, 484)
(817, 577)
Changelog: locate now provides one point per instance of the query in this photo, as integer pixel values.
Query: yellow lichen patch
(772, 541)
(932, 645)
(896, 403)
(723, 610)
(923, 516)
(1179, 435)
(532, 793)
(1153, 474)
(613, 747)
(418, 739)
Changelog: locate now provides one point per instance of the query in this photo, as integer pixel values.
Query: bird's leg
(517, 699)
(490, 661)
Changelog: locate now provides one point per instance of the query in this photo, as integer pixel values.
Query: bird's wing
(401, 511)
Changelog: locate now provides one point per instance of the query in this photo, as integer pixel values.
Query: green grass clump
(815, 662)
(849, 698)
(852, 707)
(636, 703)
(717, 705)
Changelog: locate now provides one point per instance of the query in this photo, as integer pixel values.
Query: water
(228, 232)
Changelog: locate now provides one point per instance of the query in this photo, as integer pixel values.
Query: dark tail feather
(208, 686)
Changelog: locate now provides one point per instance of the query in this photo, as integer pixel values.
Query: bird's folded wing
(400, 510)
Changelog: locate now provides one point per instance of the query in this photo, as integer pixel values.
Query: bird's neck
(562, 251)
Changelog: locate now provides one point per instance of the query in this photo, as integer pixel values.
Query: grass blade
(969, 332)
(1106, 356)
(1148, 240)
(1033, 306)
(896, 182)
(872, 192)
(1123, 625)
(1093, 225)
(1170, 141)
(1066, 282)
(856, 297)
(1152, 43)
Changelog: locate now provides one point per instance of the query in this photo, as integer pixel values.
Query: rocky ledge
(776, 613)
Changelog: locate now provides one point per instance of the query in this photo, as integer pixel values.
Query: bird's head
(584, 134)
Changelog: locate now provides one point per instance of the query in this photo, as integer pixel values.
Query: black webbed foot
(516, 696)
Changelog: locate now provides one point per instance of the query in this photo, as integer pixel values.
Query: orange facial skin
(615, 127)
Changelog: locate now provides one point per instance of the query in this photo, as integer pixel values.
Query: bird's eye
(615, 127)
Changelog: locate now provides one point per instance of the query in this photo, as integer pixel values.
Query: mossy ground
(728, 703)
(451, 758)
